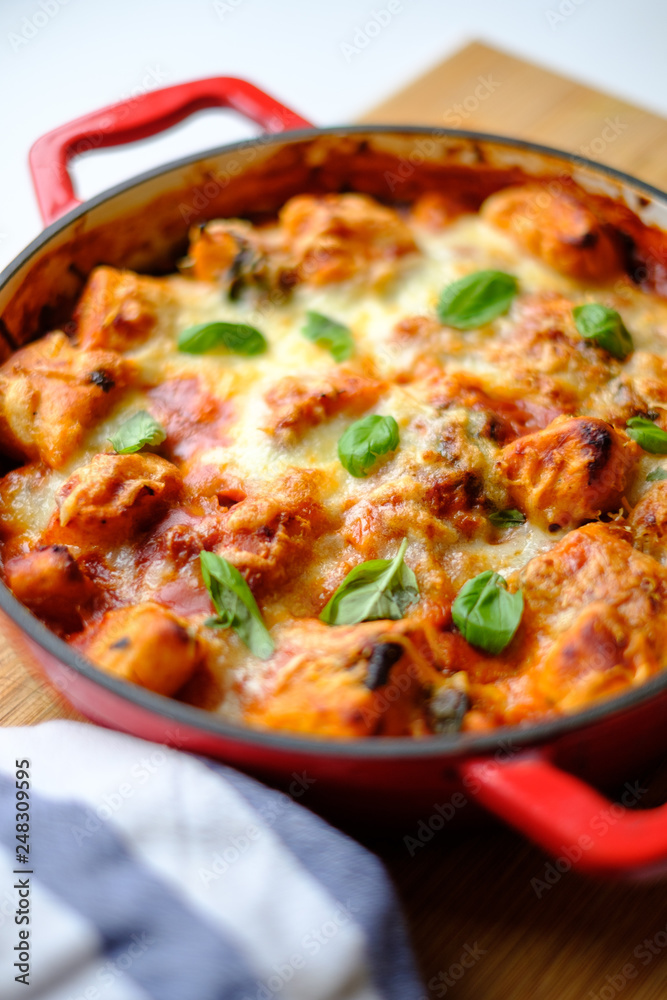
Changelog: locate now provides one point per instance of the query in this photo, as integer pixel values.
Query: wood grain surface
(490, 918)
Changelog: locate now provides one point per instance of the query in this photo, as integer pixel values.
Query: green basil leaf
(476, 299)
(647, 435)
(364, 441)
(381, 588)
(505, 518)
(138, 430)
(236, 337)
(485, 612)
(656, 475)
(328, 333)
(235, 606)
(604, 326)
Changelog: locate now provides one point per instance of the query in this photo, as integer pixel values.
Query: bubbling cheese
(255, 440)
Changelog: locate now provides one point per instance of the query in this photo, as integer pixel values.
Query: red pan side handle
(137, 118)
(577, 825)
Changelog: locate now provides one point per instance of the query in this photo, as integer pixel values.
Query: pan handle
(577, 825)
(137, 118)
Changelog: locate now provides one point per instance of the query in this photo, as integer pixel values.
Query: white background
(62, 58)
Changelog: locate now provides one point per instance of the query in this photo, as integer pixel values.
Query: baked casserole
(359, 469)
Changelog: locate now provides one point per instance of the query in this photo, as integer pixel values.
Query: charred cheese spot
(570, 472)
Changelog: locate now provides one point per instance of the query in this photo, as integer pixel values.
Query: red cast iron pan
(534, 777)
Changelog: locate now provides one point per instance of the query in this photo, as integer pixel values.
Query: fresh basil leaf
(381, 588)
(235, 606)
(364, 441)
(605, 326)
(647, 435)
(328, 333)
(485, 612)
(476, 299)
(505, 518)
(656, 475)
(236, 337)
(138, 430)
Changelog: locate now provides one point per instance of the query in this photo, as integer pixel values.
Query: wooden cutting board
(482, 925)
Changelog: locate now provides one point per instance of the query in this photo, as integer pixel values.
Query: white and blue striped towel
(154, 873)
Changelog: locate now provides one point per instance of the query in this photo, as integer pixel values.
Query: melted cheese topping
(449, 392)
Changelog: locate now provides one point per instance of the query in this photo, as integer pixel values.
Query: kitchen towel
(130, 870)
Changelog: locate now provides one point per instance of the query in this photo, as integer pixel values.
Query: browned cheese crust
(519, 413)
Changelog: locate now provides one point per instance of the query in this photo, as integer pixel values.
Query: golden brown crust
(118, 310)
(571, 472)
(267, 536)
(51, 393)
(648, 522)
(145, 644)
(520, 412)
(334, 237)
(559, 229)
(229, 251)
(115, 495)
(51, 583)
(324, 684)
(296, 405)
(604, 603)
